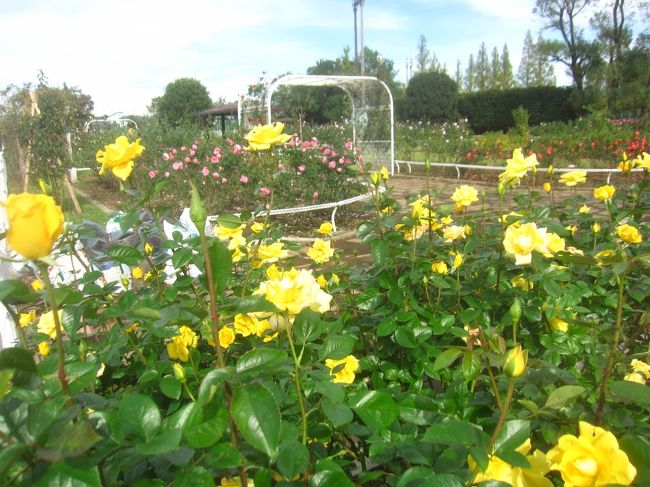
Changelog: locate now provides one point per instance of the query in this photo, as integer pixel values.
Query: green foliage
(492, 109)
(182, 99)
(431, 97)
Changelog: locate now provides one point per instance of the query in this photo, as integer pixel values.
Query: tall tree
(543, 73)
(574, 50)
(506, 78)
(458, 77)
(482, 69)
(615, 38)
(526, 65)
(423, 56)
(495, 70)
(470, 74)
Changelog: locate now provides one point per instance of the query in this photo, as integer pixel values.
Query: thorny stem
(298, 380)
(136, 349)
(493, 381)
(59, 336)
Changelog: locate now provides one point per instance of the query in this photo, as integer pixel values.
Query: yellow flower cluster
(118, 157)
(439, 267)
(640, 372)
(262, 137)
(321, 251)
(605, 192)
(521, 241)
(629, 234)
(267, 254)
(179, 347)
(343, 370)
(46, 324)
(246, 325)
(326, 229)
(293, 290)
(573, 178)
(591, 459)
(26, 318)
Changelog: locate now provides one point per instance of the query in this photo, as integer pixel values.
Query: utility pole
(359, 64)
(363, 44)
(356, 48)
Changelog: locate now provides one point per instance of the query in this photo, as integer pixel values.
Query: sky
(124, 52)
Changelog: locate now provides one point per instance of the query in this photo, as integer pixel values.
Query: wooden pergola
(221, 112)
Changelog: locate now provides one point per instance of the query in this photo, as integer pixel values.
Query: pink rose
(165, 156)
(166, 174)
(324, 160)
(183, 149)
(192, 153)
(243, 179)
(174, 151)
(215, 175)
(195, 146)
(187, 160)
(205, 171)
(332, 164)
(339, 170)
(214, 160)
(236, 149)
(315, 195)
(224, 180)
(152, 174)
(265, 191)
(302, 168)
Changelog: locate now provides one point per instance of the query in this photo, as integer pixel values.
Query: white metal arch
(349, 84)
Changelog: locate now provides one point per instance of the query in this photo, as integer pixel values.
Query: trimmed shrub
(431, 97)
(183, 98)
(492, 109)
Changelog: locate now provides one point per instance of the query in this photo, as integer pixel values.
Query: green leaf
(163, 443)
(512, 435)
(17, 359)
(125, 254)
(631, 391)
(196, 476)
(257, 416)
(369, 299)
(252, 304)
(337, 346)
(514, 458)
(471, 365)
(563, 395)
(293, 459)
(64, 475)
(139, 415)
(307, 326)
(261, 361)
(446, 358)
(330, 478)
(223, 456)
(379, 250)
(453, 432)
(375, 408)
(468, 315)
(182, 257)
(228, 220)
(210, 384)
(338, 414)
(208, 433)
(170, 387)
(13, 291)
(147, 313)
(72, 441)
(404, 337)
(9, 455)
(221, 263)
(386, 327)
(424, 476)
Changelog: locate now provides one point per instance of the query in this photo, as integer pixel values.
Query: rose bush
(469, 348)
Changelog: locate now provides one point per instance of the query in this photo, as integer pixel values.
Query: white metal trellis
(358, 90)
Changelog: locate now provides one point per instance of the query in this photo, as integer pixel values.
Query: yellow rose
(44, 349)
(326, 229)
(573, 178)
(321, 251)
(225, 233)
(640, 367)
(547, 187)
(629, 234)
(453, 232)
(294, 291)
(643, 161)
(245, 324)
(35, 222)
(262, 137)
(118, 157)
(345, 374)
(584, 209)
(383, 172)
(439, 267)
(522, 283)
(132, 328)
(26, 318)
(446, 220)
(514, 364)
(517, 167)
(458, 260)
(188, 337)
(322, 282)
(554, 244)
(46, 324)
(37, 285)
(517, 476)
(270, 338)
(148, 248)
(179, 372)
(605, 192)
(556, 324)
(375, 177)
(625, 165)
(464, 196)
(226, 337)
(137, 273)
(267, 254)
(593, 458)
(595, 227)
(634, 377)
(258, 227)
(521, 240)
(177, 350)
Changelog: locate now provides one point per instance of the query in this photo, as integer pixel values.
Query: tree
(470, 74)
(543, 73)
(423, 57)
(482, 69)
(506, 78)
(527, 63)
(615, 38)
(574, 51)
(495, 70)
(458, 77)
(432, 97)
(634, 95)
(182, 99)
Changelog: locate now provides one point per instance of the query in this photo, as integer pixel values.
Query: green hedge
(491, 110)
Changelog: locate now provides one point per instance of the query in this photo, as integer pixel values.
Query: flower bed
(473, 348)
